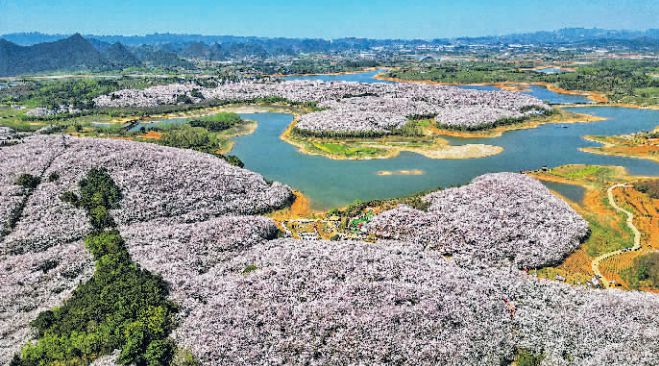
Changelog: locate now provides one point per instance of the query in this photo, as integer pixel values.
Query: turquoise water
(540, 92)
(333, 183)
(569, 191)
(549, 70)
(160, 123)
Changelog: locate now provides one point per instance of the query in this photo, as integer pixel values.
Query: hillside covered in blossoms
(351, 108)
(311, 183)
(442, 285)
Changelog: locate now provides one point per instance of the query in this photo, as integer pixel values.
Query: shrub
(47, 265)
(644, 271)
(233, 160)
(218, 122)
(250, 268)
(98, 194)
(70, 197)
(528, 358)
(98, 189)
(649, 187)
(184, 99)
(197, 94)
(159, 353)
(417, 202)
(28, 181)
(53, 177)
(184, 358)
(100, 218)
(187, 137)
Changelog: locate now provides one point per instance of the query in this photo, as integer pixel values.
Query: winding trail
(630, 223)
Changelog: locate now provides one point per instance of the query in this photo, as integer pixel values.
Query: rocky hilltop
(246, 297)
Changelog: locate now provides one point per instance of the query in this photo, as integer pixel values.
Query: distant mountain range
(78, 53)
(23, 53)
(566, 35)
(74, 51)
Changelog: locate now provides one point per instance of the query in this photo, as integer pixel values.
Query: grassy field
(348, 150)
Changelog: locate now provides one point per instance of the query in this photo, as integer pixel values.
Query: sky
(324, 18)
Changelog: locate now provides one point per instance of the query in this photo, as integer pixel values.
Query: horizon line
(326, 39)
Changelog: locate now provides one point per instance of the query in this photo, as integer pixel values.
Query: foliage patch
(121, 307)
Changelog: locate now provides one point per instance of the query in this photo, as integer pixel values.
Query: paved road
(630, 223)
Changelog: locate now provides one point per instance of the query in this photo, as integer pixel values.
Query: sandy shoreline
(301, 207)
(441, 150)
(599, 151)
(614, 105)
(386, 173)
(248, 128)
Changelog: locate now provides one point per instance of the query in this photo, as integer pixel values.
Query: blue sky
(324, 18)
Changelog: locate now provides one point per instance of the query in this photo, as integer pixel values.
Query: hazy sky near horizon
(324, 18)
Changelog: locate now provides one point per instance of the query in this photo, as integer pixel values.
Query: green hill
(118, 56)
(74, 52)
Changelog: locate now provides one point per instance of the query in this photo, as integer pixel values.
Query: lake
(334, 183)
(570, 191)
(549, 70)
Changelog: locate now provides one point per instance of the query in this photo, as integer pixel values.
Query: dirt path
(630, 223)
